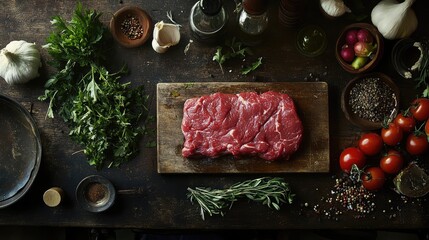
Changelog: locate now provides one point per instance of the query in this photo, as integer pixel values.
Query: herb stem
(269, 191)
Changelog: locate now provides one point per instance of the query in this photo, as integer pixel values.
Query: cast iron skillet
(20, 151)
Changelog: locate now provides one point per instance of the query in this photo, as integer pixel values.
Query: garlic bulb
(334, 8)
(394, 20)
(165, 35)
(19, 62)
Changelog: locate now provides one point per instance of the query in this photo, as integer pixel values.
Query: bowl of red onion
(359, 48)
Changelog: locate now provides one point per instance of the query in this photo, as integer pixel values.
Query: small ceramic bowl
(135, 16)
(95, 193)
(355, 117)
(374, 59)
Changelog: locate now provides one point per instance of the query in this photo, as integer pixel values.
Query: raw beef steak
(264, 125)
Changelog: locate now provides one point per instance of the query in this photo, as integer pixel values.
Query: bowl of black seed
(131, 26)
(369, 99)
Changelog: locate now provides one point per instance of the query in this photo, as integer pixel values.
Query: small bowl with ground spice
(131, 26)
(370, 98)
(95, 193)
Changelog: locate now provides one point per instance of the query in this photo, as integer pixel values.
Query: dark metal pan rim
(34, 132)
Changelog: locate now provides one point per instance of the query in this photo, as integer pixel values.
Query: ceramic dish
(20, 151)
(119, 21)
(95, 193)
(354, 118)
(378, 39)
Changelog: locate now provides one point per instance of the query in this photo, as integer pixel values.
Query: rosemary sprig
(269, 191)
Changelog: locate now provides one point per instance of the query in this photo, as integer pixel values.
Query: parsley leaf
(102, 113)
(235, 50)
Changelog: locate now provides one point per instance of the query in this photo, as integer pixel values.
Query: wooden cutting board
(311, 99)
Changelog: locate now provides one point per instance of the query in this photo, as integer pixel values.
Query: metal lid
(210, 7)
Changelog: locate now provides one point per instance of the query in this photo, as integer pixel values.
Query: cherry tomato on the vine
(392, 135)
(407, 123)
(350, 156)
(420, 109)
(417, 144)
(373, 178)
(392, 163)
(370, 143)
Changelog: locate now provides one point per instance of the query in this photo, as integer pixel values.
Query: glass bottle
(208, 20)
(253, 21)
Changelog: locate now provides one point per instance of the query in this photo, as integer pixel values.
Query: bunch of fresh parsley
(101, 112)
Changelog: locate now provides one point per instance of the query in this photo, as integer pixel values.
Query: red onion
(351, 37)
(363, 49)
(347, 53)
(363, 35)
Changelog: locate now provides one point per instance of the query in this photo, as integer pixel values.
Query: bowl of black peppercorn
(131, 26)
(370, 99)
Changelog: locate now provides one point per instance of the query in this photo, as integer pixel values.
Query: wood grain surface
(311, 99)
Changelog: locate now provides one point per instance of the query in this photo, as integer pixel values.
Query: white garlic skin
(165, 35)
(394, 20)
(334, 8)
(19, 62)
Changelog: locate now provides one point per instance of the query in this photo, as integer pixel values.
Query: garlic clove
(158, 48)
(334, 8)
(165, 35)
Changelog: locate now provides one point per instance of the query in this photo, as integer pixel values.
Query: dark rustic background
(163, 203)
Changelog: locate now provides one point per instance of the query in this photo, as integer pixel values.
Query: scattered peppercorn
(346, 196)
(132, 28)
(372, 99)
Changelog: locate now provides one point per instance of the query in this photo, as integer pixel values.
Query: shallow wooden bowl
(376, 57)
(365, 124)
(119, 17)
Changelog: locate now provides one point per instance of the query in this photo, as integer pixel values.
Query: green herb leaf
(252, 67)
(235, 50)
(219, 58)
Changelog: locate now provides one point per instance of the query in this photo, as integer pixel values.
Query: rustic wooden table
(162, 204)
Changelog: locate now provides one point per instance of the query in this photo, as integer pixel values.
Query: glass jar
(311, 41)
(253, 21)
(208, 20)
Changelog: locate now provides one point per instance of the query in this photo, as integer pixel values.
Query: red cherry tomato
(392, 163)
(407, 123)
(391, 135)
(373, 178)
(370, 144)
(420, 109)
(417, 144)
(351, 156)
